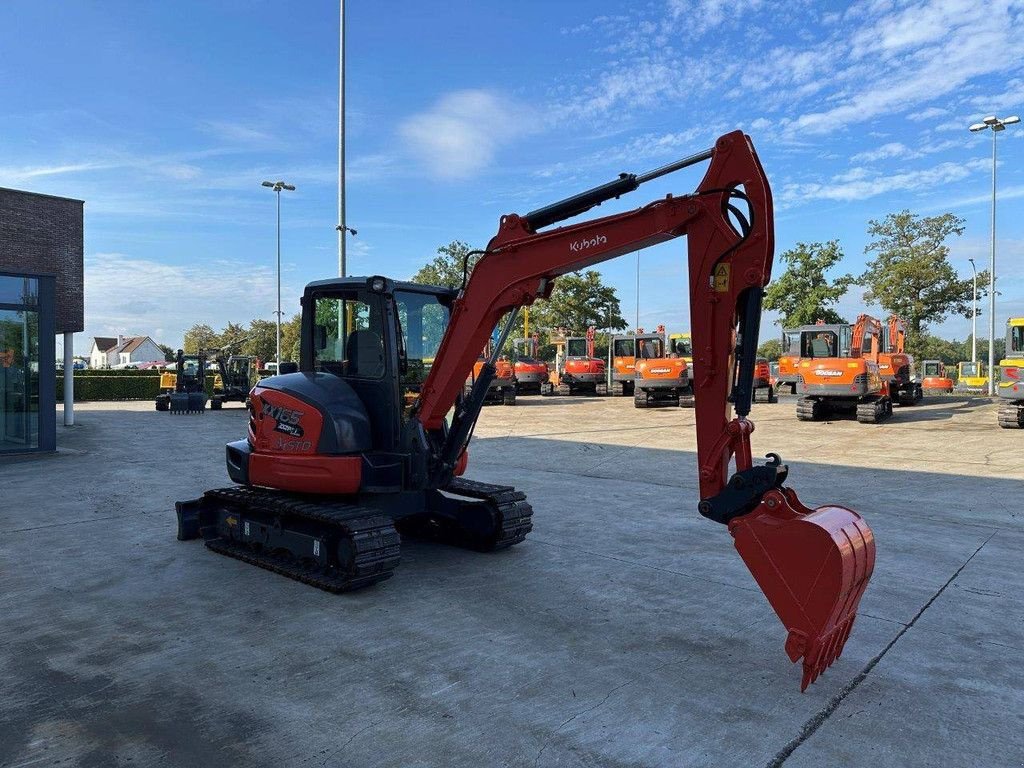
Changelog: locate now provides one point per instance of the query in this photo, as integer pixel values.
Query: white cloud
(892, 149)
(129, 295)
(931, 113)
(861, 184)
(461, 134)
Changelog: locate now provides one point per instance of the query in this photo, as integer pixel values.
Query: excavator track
(809, 409)
(874, 411)
(1011, 416)
(618, 389)
(601, 390)
(510, 514)
(334, 546)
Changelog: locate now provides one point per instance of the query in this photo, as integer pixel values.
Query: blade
(813, 566)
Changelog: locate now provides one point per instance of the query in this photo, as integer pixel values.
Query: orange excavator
(661, 378)
(624, 357)
(896, 366)
(502, 387)
(578, 372)
(935, 378)
(839, 372)
(337, 458)
(531, 373)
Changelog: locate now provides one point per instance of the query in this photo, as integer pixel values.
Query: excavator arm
(812, 565)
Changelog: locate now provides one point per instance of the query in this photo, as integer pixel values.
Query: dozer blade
(813, 566)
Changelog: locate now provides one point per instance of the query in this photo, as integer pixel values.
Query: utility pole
(341, 141)
(974, 315)
(997, 125)
(277, 186)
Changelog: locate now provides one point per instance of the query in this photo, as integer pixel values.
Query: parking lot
(624, 631)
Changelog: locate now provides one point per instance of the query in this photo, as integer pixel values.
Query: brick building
(41, 294)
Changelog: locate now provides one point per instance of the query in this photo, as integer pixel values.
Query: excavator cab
(1011, 377)
(971, 377)
(935, 378)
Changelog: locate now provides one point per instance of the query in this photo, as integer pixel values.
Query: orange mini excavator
(839, 372)
(338, 460)
(623, 354)
(579, 372)
(531, 373)
(896, 366)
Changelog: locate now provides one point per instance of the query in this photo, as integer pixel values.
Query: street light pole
(974, 315)
(277, 186)
(996, 124)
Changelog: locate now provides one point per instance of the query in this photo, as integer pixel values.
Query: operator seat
(819, 348)
(364, 351)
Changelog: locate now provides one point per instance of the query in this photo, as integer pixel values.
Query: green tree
(911, 275)
(169, 353)
(803, 294)
(772, 349)
(233, 336)
(200, 337)
(577, 302)
(446, 267)
(291, 334)
(262, 341)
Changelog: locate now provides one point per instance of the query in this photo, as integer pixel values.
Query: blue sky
(165, 117)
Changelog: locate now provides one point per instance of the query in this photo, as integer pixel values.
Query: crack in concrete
(819, 719)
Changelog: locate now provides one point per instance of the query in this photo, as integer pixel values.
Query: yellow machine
(971, 377)
(1011, 377)
(681, 345)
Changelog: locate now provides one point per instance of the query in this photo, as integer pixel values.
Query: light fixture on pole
(996, 124)
(278, 186)
(974, 315)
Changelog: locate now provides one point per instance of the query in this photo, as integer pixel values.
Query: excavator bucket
(813, 566)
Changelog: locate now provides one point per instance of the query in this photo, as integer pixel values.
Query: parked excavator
(789, 361)
(358, 443)
(764, 382)
(502, 387)
(839, 372)
(971, 377)
(896, 366)
(531, 373)
(578, 371)
(681, 345)
(623, 356)
(661, 378)
(935, 378)
(184, 391)
(1011, 377)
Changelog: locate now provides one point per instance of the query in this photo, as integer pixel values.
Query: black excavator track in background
(340, 547)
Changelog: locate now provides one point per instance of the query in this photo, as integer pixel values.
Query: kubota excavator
(839, 372)
(935, 378)
(530, 371)
(896, 366)
(578, 372)
(337, 456)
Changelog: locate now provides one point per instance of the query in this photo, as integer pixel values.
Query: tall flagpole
(341, 139)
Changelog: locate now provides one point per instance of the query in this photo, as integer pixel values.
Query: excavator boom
(813, 565)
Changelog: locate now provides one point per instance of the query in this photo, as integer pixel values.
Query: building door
(19, 364)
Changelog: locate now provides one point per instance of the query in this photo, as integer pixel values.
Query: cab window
(650, 349)
(576, 348)
(1017, 338)
(625, 348)
(682, 347)
(348, 337)
(424, 321)
(819, 344)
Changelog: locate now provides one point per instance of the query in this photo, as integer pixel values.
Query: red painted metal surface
(813, 566)
(306, 474)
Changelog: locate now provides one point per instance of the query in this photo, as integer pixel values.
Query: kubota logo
(582, 245)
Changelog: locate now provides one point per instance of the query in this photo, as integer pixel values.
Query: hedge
(117, 386)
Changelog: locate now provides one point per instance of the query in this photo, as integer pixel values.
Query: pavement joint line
(818, 720)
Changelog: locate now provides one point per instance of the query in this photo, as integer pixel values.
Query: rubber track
(1011, 416)
(618, 388)
(514, 513)
(374, 539)
(808, 409)
(873, 411)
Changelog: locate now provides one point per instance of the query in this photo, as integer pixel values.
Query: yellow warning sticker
(722, 278)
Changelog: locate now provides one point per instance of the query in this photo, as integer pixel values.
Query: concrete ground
(624, 632)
